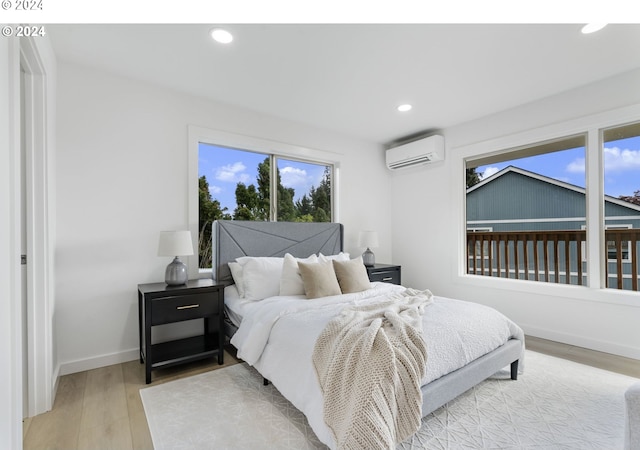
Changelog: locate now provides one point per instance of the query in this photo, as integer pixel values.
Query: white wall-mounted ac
(422, 151)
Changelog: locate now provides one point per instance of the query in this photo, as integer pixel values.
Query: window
(621, 153)
(529, 204)
(560, 213)
(482, 251)
(304, 191)
(247, 181)
(613, 246)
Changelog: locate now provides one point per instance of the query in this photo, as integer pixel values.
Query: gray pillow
(319, 279)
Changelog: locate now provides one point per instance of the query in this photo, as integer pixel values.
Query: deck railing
(556, 256)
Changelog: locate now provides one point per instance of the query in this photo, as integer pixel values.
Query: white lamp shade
(368, 239)
(175, 243)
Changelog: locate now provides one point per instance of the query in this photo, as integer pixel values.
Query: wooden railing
(556, 256)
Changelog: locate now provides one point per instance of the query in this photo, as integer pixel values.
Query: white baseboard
(626, 351)
(96, 362)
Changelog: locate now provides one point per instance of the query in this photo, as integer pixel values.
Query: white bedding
(277, 336)
(234, 304)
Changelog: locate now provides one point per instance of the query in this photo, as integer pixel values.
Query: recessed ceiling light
(405, 107)
(593, 27)
(221, 36)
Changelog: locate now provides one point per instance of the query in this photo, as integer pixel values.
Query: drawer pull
(387, 279)
(188, 306)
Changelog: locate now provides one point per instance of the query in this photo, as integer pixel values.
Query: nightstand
(159, 304)
(387, 273)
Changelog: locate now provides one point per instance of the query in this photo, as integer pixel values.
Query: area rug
(555, 404)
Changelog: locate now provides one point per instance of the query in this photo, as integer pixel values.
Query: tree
(321, 198)
(472, 177)
(260, 203)
(209, 210)
(304, 206)
(635, 198)
(286, 208)
(247, 203)
(264, 189)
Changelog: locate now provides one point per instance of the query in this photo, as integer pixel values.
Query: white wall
(428, 228)
(122, 177)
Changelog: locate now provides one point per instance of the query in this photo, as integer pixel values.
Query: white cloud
(488, 172)
(576, 166)
(232, 173)
(293, 177)
(213, 190)
(616, 159)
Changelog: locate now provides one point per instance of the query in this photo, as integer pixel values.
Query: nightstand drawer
(183, 307)
(388, 276)
(384, 272)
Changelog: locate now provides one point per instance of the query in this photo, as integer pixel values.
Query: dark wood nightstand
(387, 273)
(159, 304)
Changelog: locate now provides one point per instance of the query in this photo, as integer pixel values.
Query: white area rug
(555, 404)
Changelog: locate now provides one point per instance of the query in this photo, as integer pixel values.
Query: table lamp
(176, 244)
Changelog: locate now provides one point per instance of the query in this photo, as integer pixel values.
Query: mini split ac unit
(422, 151)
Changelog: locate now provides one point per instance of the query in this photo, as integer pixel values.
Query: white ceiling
(350, 78)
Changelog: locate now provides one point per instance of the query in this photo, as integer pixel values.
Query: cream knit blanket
(370, 361)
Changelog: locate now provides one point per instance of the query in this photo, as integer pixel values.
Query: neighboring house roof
(549, 180)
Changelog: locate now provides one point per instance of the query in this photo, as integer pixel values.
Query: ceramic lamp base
(368, 258)
(176, 273)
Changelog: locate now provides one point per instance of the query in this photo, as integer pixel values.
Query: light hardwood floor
(101, 408)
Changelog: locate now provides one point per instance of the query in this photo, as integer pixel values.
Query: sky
(224, 168)
(622, 166)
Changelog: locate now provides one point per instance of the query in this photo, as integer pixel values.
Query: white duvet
(277, 336)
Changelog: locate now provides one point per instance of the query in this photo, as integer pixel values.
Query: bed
(276, 333)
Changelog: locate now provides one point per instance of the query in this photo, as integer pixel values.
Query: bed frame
(233, 239)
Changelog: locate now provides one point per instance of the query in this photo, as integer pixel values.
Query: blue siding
(517, 196)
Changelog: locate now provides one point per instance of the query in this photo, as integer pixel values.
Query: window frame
(273, 149)
(625, 259)
(593, 126)
(626, 252)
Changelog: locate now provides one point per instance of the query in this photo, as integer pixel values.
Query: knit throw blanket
(370, 361)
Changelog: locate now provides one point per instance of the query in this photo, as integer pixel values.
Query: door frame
(39, 187)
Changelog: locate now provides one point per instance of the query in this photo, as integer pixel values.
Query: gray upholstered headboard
(234, 238)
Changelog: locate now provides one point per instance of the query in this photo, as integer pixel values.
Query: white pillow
(238, 279)
(339, 257)
(291, 281)
(262, 277)
(242, 260)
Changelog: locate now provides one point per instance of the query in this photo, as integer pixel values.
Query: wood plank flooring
(101, 408)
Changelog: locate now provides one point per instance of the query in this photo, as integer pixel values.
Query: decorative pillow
(242, 260)
(319, 279)
(238, 279)
(291, 281)
(352, 275)
(339, 257)
(261, 277)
